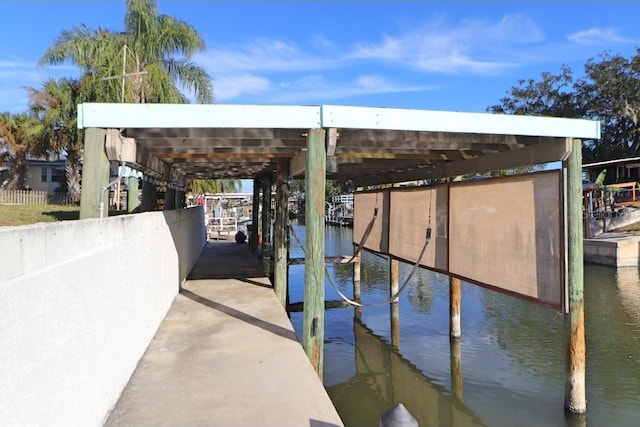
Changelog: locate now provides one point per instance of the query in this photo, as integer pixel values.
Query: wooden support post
(169, 199)
(454, 308)
(395, 279)
(179, 203)
(357, 264)
(394, 307)
(266, 225)
(132, 194)
(149, 196)
(575, 393)
(394, 313)
(253, 238)
(95, 174)
(281, 231)
(456, 368)
(315, 177)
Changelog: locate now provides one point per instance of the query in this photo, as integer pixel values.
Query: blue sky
(456, 56)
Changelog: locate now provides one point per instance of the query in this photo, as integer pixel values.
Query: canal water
(509, 368)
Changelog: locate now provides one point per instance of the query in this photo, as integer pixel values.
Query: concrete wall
(599, 226)
(614, 250)
(79, 303)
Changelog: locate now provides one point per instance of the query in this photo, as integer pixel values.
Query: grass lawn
(31, 214)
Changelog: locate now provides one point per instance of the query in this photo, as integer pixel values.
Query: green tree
(551, 96)
(331, 188)
(55, 105)
(211, 186)
(150, 43)
(17, 142)
(610, 92)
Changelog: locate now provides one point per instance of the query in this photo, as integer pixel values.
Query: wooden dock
(225, 355)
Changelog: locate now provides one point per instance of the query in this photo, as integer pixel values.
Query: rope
(326, 271)
(365, 236)
(393, 297)
(367, 231)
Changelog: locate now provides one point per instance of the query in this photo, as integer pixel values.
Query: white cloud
(229, 86)
(320, 41)
(263, 55)
(599, 36)
(469, 46)
(250, 69)
(318, 89)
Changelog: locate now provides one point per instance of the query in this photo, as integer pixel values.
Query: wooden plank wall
(413, 211)
(503, 233)
(365, 205)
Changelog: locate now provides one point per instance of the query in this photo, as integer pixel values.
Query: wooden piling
(253, 240)
(149, 196)
(575, 393)
(170, 199)
(454, 307)
(394, 307)
(395, 279)
(132, 194)
(266, 225)
(315, 177)
(180, 199)
(357, 263)
(456, 368)
(394, 314)
(95, 175)
(281, 231)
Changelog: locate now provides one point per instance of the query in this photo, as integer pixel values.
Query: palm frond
(191, 77)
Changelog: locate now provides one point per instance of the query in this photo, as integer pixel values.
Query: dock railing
(222, 227)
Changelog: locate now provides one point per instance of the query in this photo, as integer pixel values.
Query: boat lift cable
(393, 297)
(365, 236)
(367, 231)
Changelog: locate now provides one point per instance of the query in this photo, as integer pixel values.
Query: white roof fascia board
(611, 162)
(447, 121)
(101, 115)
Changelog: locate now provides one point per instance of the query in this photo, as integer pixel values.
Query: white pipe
(115, 181)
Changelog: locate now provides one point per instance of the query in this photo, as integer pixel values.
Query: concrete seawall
(614, 250)
(79, 303)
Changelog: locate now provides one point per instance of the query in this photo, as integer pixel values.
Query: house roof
(366, 144)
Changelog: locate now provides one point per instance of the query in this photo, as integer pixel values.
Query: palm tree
(209, 186)
(17, 142)
(55, 105)
(144, 51)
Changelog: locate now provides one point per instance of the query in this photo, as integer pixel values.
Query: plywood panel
(506, 233)
(363, 218)
(412, 212)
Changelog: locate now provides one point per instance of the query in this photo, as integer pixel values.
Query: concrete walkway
(225, 355)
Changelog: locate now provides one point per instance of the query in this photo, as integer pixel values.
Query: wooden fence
(24, 197)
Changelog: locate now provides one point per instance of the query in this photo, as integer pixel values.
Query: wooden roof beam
(558, 150)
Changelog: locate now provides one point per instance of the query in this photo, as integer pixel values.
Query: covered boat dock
(271, 144)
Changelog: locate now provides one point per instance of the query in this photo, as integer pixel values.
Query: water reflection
(384, 378)
(507, 369)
